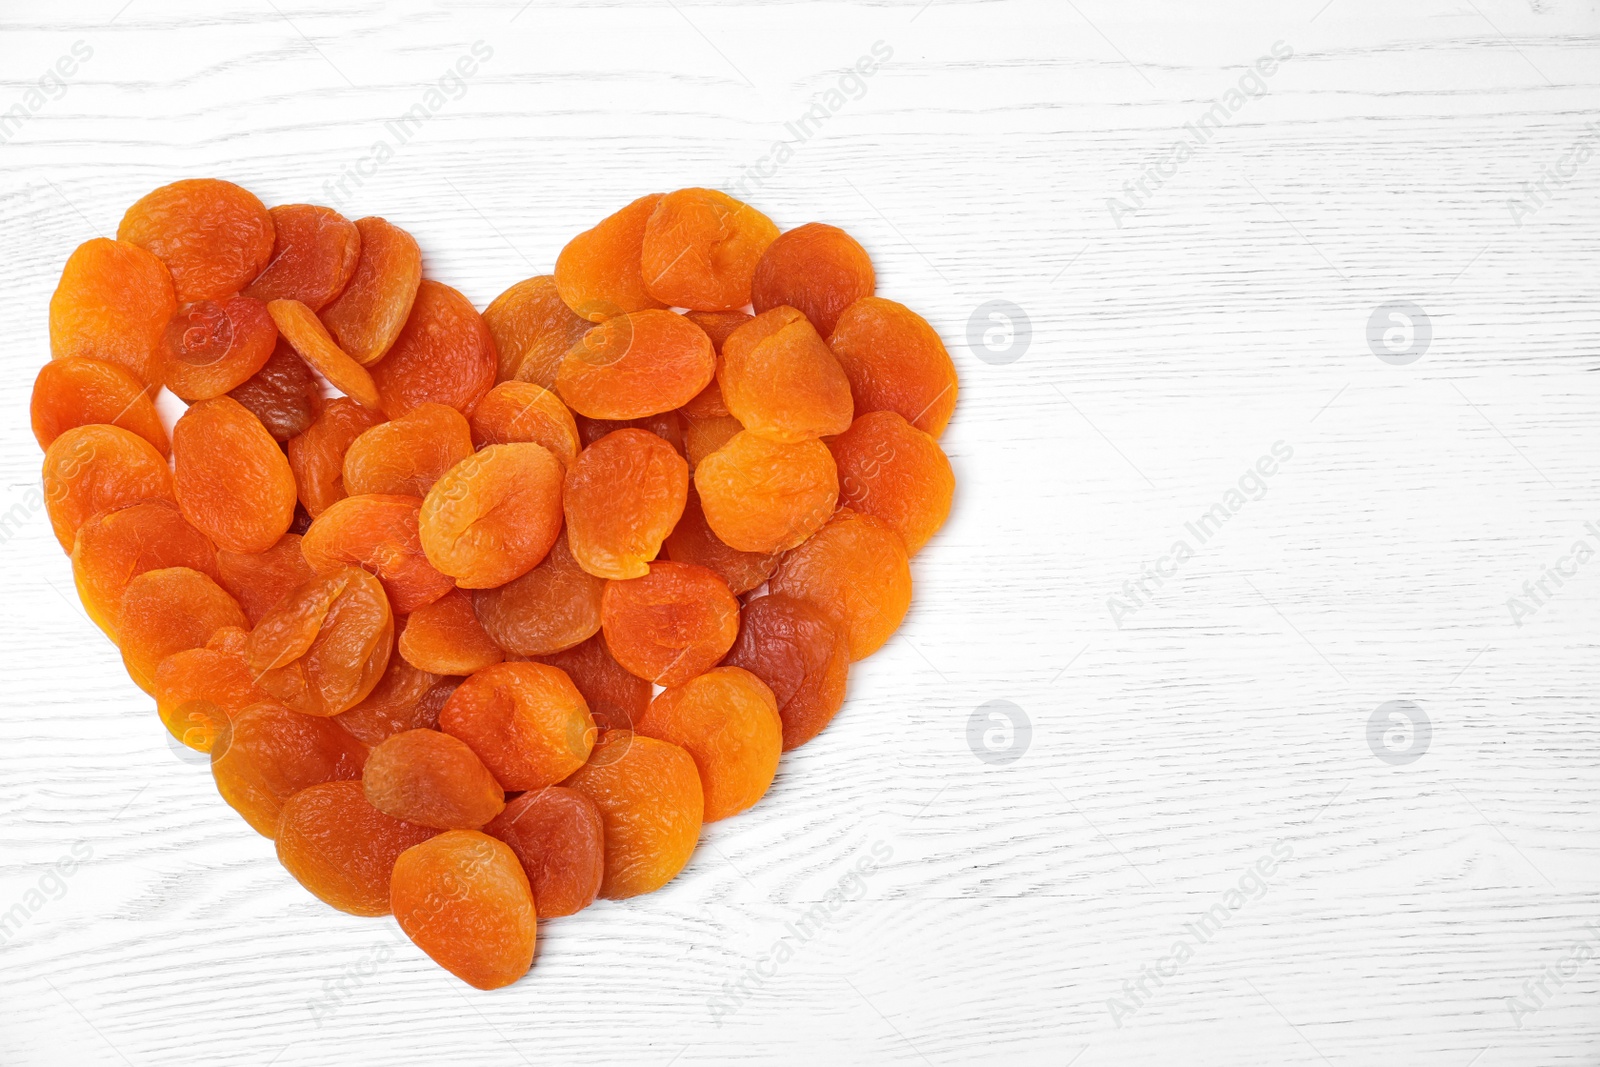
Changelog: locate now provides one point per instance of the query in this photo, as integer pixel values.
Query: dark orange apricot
(895, 362)
(673, 623)
(817, 268)
(856, 572)
(701, 437)
(273, 753)
(559, 839)
(83, 392)
(213, 346)
(893, 471)
(113, 303)
(463, 898)
(693, 541)
(166, 611)
(651, 803)
(445, 638)
(522, 411)
(763, 496)
(317, 455)
(284, 394)
(802, 655)
(445, 354)
(718, 325)
(727, 719)
(231, 479)
(624, 494)
(380, 535)
(213, 235)
(326, 644)
(342, 849)
(668, 426)
(115, 547)
(198, 691)
(369, 313)
(300, 326)
(404, 699)
(258, 580)
(700, 250)
(598, 272)
(405, 457)
(526, 721)
(633, 365)
(90, 469)
(314, 256)
(432, 779)
(532, 330)
(780, 380)
(494, 515)
(553, 607)
(615, 696)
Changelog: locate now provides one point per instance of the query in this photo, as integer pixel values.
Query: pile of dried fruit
(417, 625)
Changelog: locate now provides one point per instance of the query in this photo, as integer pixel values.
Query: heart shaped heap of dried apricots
(411, 574)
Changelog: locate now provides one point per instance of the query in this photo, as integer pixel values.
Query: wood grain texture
(1168, 756)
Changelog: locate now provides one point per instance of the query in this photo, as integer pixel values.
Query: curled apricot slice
(522, 411)
(763, 496)
(166, 611)
(370, 312)
(463, 898)
(212, 346)
(855, 571)
(404, 699)
(115, 547)
(624, 494)
(273, 753)
(405, 457)
(727, 719)
(113, 303)
(213, 235)
(494, 515)
(532, 330)
(231, 478)
(700, 250)
(780, 380)
(341, 848)
(634, 365)
(559, 839)
(96, 468)
(432, 779)
(83, 392)
(379, 534)
(893, 471)
(444, 354)
(552, 607)
(258, 580)
(302, 329)
(895, 362)
(598, 272)
(445, 638)
(314, 255)
(817, 268)
(317, 455)
(326, 644)
(692, 541)
(615, 696)
(651, 803)
(671, 624)
(526, 721)
(802, 655)
(283, 394)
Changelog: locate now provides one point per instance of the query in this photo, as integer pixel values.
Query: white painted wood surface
(1167, 757)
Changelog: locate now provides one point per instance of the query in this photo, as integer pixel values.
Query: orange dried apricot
(368, 315)
(817, 268)
(379, 534)
(526, 721)
(463, 898)
(727, 719)
(671, 624)
(633, 365)
(444, 354)
(704, 436)
(310, 338)
(598, 272)
(553, 607)
(341, 848)
(693, 541)
(213, 235)
(445, 638)
(232, 480)
(198, 691)
(83, 392)
(615, 696)
(700, 250)
(405, 457)
(802, 655)
(115, 547)
(856, 572)
(494, 515)
(651, 803)
(166, 611)
(326, 644)
(96, 468)
(317, 455)
(708, 403)
(432, 779)
(532, 330)
(559, 839)
(893, 471)
(258, 580)
(404, 699)
(780, 380)
(764, 496)
(113, 303)
(273, 753)
(895, 362)
(522, 411)
(624, 494)
(212, 346)
(283, 394)
(314, 255)
(668, 426)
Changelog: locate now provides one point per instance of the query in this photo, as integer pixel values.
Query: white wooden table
(1195, 852)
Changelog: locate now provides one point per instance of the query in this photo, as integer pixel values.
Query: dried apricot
(895, 362)
(598, 272)
(615, 696)
(314, 256)
(317, 455)
(634, 365)
(893, 471)
(700, 250)
(113, 303)
(802, 655)
(258, 580)
(526, 721)
(341, 848)
(310, 338)
(405, 457)
(166, 611)
(693, 541)
(368, 315)
(404, 699)
(445, 638)
(213, 235)
(326, 644)
(379, 534)
(83, 392)
(780, 380)
(115, 547)
(856, 572)
(198, 691)
(494, 515)
(651, 803)
(763, 496)
(718, 325)
(532, 330)
(624, 494)
(704, 436)
(552, 607)
(668, 426)
(462, 898)
(671, 624)
(727, 719)
(212, 346)
(432, 779)
(283, 394)
(817, 268)
(274, 753)
(445, 354)
(559, 839)
(96, 468)
(232, 480)
(522, 411)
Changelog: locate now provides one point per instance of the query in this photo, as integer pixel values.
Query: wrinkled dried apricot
(651, 803)
(624, 494)
(693, 541)
(668, 426)
(258, 580)
(552, 607)
(445, 354)
(614, 695)
(780, 380)
(817, 268)
(317, 456)
(671, 624)
(405, 457)
(704, 436)
(368, 315)
(895, 362)
(763, 496)
(198, 691)
(718, 325)
(634, 365)
(274, 753)
(310, 338)
(314, 256)
(463, 898)
(700, 250)
(893, 471)
(232, 480)
(856, 572)
(83, 392)
(532, 330)
(526, 721)
(115, 547)
(326, 644)
(213, 235)
(432, 779)
(379, 534)
(113, 303)
(341, 848)
(404, 699)
(96, 468)
(212, 346)
(802, 655)
(494, 515)
(166, 611)
(445, 637)
(522, 411)
(559, 839)
(727, 719)
(283, 394)
(598, 272)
